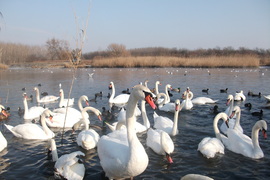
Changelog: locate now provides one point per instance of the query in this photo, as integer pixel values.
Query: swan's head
(158, 83)
(61, 92)
(85, 99)
(3, 111)
(262, 126)
(47, 114)
(35, 89)
(141, 92)
(236, 110)
(229, 99)
(111, 85)
(177, 105)
(169, 86)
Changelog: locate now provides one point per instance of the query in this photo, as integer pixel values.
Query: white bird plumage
(65, 102)
(33, 131)
(120, 158)
(45, 99)
(119, 100)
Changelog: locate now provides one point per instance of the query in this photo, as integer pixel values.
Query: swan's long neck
(157, 92)
(146, 122)
(231, 106)
(47, 131)
(168, 99)
(237, 120)
(61, 97)
(54, 150)
(255, 137)
(80, 104)
(164, 100)
(175, 123)
(25, 106)
(86, 120)
(113, 93)
(37, 95)
(215, 124)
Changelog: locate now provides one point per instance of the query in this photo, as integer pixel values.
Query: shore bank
(152, 62)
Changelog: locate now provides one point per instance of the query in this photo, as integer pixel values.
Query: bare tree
(117, 50)
(57, 49)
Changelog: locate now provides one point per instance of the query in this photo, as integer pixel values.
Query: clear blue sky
(189, 24)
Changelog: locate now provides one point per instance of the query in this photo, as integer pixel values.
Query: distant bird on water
(224, 90)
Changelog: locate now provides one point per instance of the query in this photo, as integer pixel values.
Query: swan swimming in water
(160, 142)
(208, 146)
(88, 138)
(64, 102)
(68, 166)
(45, 99)
(125, 159)
(119, 100)
(33, 131)
(242, 144)
(166, 124)
(239, 96)
(3, 142)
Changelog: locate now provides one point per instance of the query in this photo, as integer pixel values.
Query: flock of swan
(121, 153)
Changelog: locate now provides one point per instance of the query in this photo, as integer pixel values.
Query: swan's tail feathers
(9, 127)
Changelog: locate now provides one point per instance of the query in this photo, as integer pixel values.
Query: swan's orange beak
(231, 116)
(150, 101)
(264, 134)
(51, 118)
(169, 158)
(4, 112)
(177, 107)
(87, 103)
(110, 86)
(99, 117)
(228, 102)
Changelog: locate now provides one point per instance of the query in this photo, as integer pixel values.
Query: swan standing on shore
(242, 144)
(45, 99)
(33, 131)
(88, 138)
(125, 159)
(208, 146)
(166, 124)
(68, 166)
(64, 102)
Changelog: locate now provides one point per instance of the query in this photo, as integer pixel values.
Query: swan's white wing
(210, 146)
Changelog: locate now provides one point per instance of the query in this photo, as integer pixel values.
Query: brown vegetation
(160, 61)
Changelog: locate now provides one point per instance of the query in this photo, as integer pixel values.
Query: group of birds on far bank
(122, 145)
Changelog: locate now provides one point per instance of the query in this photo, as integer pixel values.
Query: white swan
(33, 131)
(196, 177)
(187, 103)
(208, 146)
(119, 100)
(33, 112)
(203, 100)
(168, 107)
(156, 87)
(125, 159)
(242, 144)
(166, 124)
(233, 123)
(68, 166)
(267, 97)
(72, 111)
(239, 96)
(229, 112)
(3, 142)
(45, 99)
(139, 128)
(160, 142)
(64, 102)
(88, 138)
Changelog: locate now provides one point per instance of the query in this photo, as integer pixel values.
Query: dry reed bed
(3, 66)
(223, 61)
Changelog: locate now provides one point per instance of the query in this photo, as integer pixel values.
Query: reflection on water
(29, 159)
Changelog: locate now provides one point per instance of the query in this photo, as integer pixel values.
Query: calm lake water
(28, 159)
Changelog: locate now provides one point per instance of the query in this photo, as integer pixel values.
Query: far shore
(151, 62)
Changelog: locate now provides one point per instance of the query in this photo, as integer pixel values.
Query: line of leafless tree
(55, 49)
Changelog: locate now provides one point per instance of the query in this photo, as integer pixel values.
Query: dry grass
(3, 66)
(223, 61)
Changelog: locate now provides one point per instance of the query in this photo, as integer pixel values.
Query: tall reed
(160, 61)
